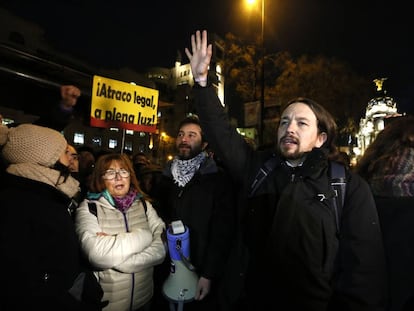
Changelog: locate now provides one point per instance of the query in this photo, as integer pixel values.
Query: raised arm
(230, 146)
(200, 56)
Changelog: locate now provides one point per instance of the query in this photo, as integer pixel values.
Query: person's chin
(290, 155)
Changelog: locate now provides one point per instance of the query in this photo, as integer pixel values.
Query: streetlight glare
(250, 3)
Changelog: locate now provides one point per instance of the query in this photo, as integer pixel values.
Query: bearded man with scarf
(43, 268)
(197, 191)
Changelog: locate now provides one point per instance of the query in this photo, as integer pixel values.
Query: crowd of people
(82, 230)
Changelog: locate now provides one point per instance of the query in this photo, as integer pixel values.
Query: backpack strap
(338, 185)
(144, 203)
(92, 207)
(267, 167)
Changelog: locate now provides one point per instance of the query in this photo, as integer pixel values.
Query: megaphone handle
(180, 306)
(184, 259)
(186, 262)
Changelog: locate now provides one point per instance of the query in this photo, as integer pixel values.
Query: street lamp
(262, 76)
(262, 82)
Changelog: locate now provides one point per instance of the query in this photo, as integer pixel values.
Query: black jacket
(206, 205)
(40, 252)
(305, 264)
(397, 218)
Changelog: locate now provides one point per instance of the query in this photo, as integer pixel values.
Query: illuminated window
(128, 146)
(112, 143)
(141, 148)
(129, 132)
(79, 138)
(97, 141)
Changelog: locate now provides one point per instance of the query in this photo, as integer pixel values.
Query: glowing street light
(252, 3)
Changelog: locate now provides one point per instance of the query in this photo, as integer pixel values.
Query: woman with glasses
(120, 233)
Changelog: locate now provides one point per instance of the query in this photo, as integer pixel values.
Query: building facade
(379, 110)
(32, 71)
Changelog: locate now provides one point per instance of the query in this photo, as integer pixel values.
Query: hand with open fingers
(200, 56)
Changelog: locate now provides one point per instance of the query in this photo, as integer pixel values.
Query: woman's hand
(200, 56)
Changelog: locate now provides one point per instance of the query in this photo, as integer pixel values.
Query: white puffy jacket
(124, 258)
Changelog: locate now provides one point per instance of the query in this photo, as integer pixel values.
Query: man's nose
(291, 127)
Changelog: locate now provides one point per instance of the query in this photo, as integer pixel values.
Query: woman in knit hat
(40, 253)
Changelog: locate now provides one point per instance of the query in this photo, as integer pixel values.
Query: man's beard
(292, 156)
(188, 153)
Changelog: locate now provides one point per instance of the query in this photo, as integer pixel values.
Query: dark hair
(326, 123)
(138, 155)
(85, 148)
(103, 163)
(388, 148)
(192, 119)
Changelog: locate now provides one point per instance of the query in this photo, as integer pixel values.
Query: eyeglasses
(111, 174)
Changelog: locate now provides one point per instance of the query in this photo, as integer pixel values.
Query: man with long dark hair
(299, 259)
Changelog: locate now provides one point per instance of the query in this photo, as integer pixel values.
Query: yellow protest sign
(123, 105)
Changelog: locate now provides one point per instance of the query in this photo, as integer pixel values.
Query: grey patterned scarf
(184, 170)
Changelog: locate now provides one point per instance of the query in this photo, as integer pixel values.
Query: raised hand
(200, 56)
(69, 95)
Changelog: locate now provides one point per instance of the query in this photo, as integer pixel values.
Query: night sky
(375, 37)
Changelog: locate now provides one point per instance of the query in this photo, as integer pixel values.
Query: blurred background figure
(388, 166)
(140, 160)
(86, 159)
(149, 179)
(73, 160)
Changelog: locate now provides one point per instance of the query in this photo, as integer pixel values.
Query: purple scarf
(124, 203)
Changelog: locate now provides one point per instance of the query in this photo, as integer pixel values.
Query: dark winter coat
(301, 262)
(40, 253)
(397, 218)
(206, 205)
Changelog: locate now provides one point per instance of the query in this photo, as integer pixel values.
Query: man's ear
(322, 137)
